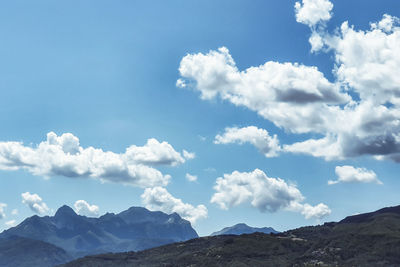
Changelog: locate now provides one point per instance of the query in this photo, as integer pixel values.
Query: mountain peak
(65, 211)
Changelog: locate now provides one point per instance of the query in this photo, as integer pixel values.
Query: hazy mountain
(25, 252)
(371, 239)
(133, 229)
(242, 228)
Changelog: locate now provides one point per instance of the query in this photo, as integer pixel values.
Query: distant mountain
(134, 229)
(25, 252)
(242, 228)
(370, 239)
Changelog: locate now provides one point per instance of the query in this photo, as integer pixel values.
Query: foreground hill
(133, 229)
(242, 228)
(371, 239)
(24, 252)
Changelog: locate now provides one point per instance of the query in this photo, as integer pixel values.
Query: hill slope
(372, 240)
(24, 252)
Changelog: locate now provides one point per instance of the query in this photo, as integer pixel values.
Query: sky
(270, 113)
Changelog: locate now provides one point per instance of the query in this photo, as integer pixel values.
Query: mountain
(134, 229)
(25, 252)
(242, 228)
(371, 239)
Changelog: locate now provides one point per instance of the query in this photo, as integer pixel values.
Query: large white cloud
(84, 208)
(350, 174)
(260, 138)
(63, 156)
(263, 193)
(311, 12)
(158, 198)
(357, 114)
(2, 212)
(293, 96)
(35, 203)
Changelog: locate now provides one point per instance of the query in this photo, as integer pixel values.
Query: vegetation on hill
(371, 239)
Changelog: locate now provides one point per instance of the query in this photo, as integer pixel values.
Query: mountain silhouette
(131, 230)
(242, 228)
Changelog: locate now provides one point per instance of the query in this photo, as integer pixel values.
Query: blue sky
(106, 72)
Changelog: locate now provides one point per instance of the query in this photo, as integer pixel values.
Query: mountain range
(370, 239)
(242, 228)
(131, 230)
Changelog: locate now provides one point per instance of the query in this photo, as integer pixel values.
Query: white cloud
(311, 12)
(293, 96)
(14, 212)
(367, 60)
(2, 212)
(350, 174)
(263, 193)
(180, 83)
(260, 138)
(63, 156)
(11, 223)
(35, 203)
(319, 211)
(300, 99)
(191, 178)
(316, 41)
(154, 153)
(84, 208)
(159, 198)
(188, 155)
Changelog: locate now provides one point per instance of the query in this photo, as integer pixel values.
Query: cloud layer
(260, 138)
(84, 208)
(350, 174)
(63, 156)
(35, 203)
(263, 193)
(160, 199)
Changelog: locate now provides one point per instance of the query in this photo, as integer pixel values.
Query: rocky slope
(131, 230)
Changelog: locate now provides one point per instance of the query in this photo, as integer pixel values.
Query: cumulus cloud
(158, 198)
(319, 211)
(191, 178)
(355, 115)
(85, 209)
(350, 174)
(188, 155)
(11, 223)
(63, 156)
(311, 12)
(35, 203)
(263, 193)
(2, 212)
(293, 96)
(260, 138)
(155, 153)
